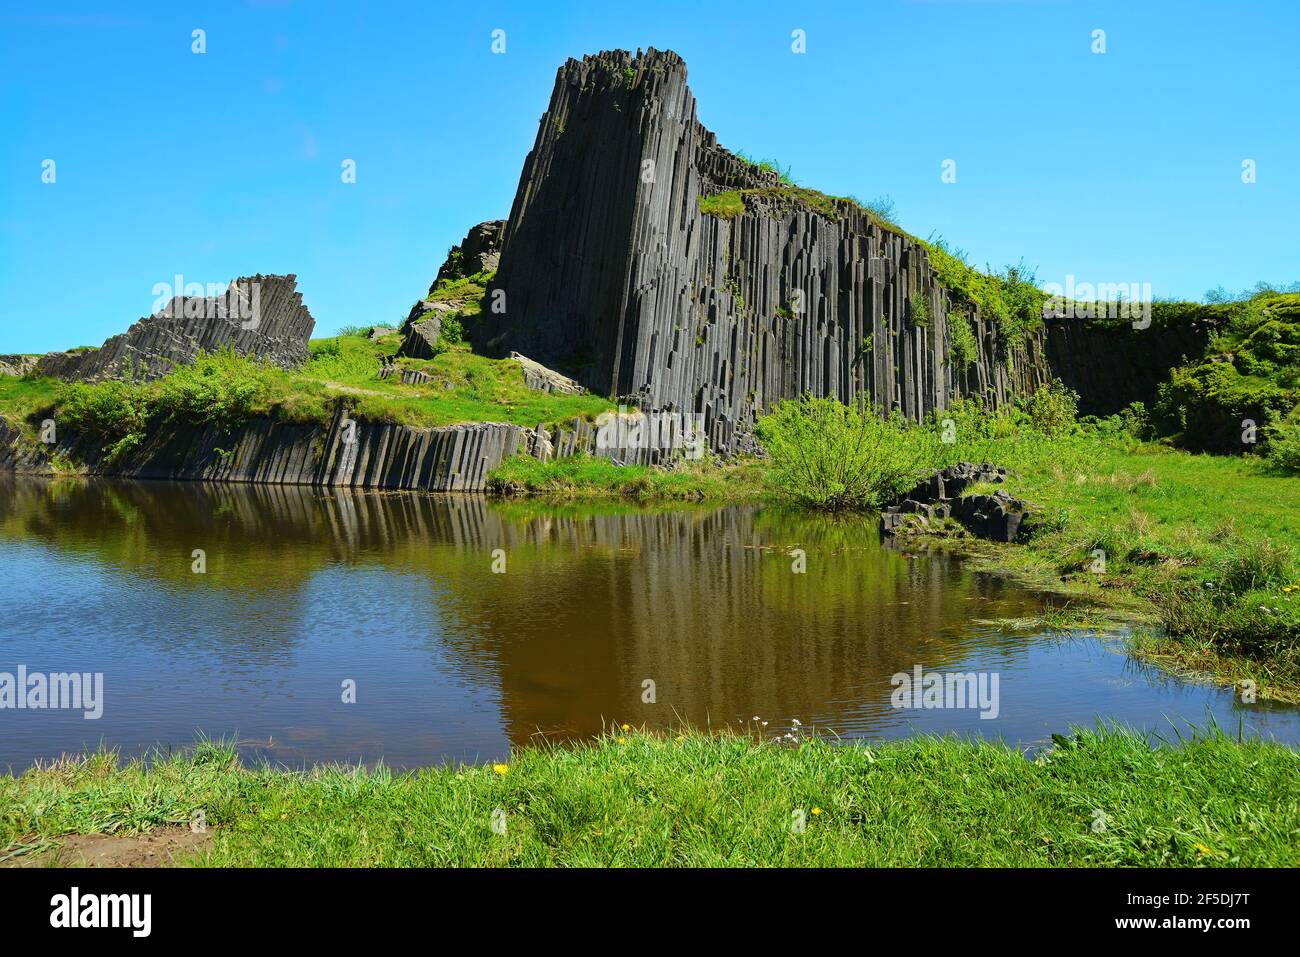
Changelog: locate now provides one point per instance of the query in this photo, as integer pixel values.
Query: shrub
(1283, 449)
(828, 455)
(219, 388)
(1051, 409)
(881, 209)
(452, 330)
(112, 409)
(918, 310)
(963, 347)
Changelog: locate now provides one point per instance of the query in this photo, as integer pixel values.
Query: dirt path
(161, 847)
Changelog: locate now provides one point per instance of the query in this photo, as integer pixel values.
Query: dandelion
(622, 740)
(501, 768)
(627, 727)
(817, 810)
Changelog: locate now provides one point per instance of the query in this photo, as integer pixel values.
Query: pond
(332, 625)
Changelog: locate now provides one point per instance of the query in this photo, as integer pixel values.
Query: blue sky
(1117, 167)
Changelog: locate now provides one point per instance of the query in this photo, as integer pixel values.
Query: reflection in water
(306, 588)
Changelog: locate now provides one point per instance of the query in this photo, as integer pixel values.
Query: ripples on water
(306, 588)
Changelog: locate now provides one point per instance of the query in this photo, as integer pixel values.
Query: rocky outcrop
(998, 517)
(612, 273)
(17, 454)
(420, 337)
(347, 452)
(262, 317)
(17, 365)
(479, 251)
(537, 376)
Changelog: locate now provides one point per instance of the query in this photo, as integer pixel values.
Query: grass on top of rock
(638, 799)
(225, 389)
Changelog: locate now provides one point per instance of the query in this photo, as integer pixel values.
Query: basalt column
(613, 274)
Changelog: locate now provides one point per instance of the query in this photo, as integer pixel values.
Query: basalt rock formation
(998, 517)
(347, 452)
(258, 316)
(613, 274)
(537, 376)
(479, 252)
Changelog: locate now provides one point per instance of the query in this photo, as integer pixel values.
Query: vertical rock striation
(613, 274)
(258, 316)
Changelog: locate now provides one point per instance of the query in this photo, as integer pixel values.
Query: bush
(107, 410)
(1051, 409)
(963, 348)
(1283, 449)
(220, 388)
(828, 455)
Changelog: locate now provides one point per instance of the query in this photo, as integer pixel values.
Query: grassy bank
(586, 477)
(642, 800)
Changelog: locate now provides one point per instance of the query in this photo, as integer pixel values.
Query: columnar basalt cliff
(258, 316)
(348, 452)
(614, 275)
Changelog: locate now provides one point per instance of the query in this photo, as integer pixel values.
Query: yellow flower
(501, 768)
(627, 727)
(622, 740)
(817, 810)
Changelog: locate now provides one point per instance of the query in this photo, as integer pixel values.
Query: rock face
(479, 251)
(613, 275)
(997, 517)
(17, 365)
(258, 316)
(421, 337)
(1111, 367)
(347, 452)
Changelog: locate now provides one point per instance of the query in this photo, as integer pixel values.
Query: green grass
(1205, 544)
(586, 477)
(636, 799)
(226, 389)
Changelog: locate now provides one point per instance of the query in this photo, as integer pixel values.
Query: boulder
(421, 338)
(998, 517)
(537, 376)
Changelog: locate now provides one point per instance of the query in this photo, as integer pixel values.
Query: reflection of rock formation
(593, 601)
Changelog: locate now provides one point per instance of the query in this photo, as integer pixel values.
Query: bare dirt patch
(161, 847)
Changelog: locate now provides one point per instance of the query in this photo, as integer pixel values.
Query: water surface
(305, 589)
